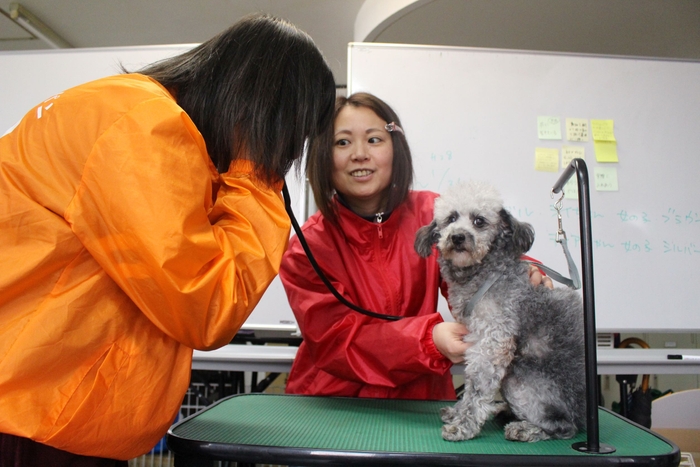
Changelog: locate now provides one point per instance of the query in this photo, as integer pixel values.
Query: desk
(645, 361)
(278, 359)
(235, 357)
(309, 430)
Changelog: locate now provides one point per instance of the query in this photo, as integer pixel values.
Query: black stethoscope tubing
(317, 268)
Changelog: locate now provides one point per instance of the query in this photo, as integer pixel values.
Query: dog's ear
(519, 236)
(426, 237)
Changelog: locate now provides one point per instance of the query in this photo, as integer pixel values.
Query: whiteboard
(473, 114)
(27, 78)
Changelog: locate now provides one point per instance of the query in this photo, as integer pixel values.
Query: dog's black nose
(458, 239)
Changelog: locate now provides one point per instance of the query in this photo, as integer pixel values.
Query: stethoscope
(574, 282)
(317, 268)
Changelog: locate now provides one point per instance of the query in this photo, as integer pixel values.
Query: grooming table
(310, 430)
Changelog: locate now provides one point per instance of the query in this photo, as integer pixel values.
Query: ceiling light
(36, 27)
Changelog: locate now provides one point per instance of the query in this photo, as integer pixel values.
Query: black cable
(314, 264)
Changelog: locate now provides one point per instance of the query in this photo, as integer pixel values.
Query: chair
(635, 405)
(676, 416)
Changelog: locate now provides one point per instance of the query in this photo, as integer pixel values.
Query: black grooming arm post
(592, 443)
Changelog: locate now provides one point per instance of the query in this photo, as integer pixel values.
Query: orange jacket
(122, 249)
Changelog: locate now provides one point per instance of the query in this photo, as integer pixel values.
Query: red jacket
(375, 266)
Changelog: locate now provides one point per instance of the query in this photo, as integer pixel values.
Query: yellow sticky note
(577, 129)
(602, 130)
(605, 178)
(548, 128)
(568, 153)
(605, 151)
(547, 159)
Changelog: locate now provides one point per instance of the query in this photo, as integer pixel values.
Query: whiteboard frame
(394, 87)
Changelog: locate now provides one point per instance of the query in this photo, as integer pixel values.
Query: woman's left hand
(537, 278)
(448, 337)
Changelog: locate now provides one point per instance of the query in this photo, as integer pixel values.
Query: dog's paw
(458, 432)
(525, 431)
(448, 414)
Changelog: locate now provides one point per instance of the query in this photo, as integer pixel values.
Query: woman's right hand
(449, 340)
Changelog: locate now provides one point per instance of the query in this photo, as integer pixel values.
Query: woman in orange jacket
(141, 218)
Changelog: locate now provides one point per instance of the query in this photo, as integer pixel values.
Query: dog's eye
(479, 222)
(453, 218)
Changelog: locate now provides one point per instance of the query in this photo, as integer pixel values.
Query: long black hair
(260, 90)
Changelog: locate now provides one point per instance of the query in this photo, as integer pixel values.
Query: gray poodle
(526, 341)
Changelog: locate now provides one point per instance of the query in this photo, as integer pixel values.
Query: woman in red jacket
(363, 239)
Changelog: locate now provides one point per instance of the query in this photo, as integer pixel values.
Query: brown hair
(320, 162)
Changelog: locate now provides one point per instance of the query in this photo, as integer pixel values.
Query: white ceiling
(652, 28)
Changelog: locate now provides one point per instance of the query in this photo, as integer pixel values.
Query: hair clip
(393, 127)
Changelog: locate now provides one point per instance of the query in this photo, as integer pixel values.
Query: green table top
(271, 428)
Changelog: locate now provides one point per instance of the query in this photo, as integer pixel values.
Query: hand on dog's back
(537, 278)
(448, 338)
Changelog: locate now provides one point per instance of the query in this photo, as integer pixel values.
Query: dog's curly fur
(526, 341)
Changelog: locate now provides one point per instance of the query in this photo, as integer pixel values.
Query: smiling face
(363, 154)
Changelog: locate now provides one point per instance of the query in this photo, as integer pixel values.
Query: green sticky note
(605, 178)
(548, 128)
(571, 188)
(568, 153)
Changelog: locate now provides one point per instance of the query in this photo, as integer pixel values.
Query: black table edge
(243, 453)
